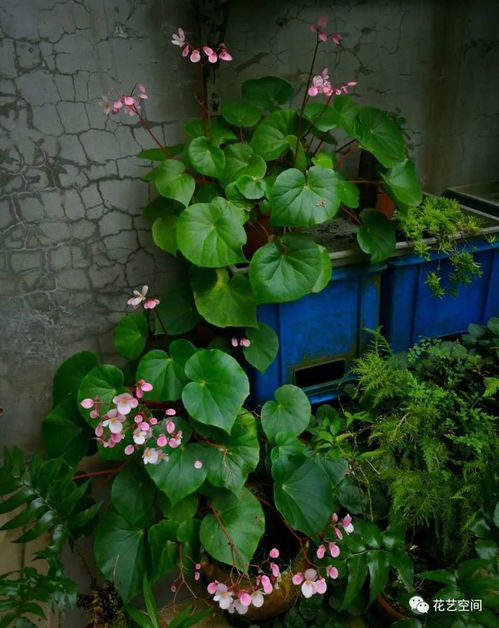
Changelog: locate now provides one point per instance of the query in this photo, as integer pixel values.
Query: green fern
(50, 502)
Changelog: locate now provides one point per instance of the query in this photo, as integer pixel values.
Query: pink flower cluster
(195, 54)
(321, 35)
(243, 342)
(141, 298)
(236, 599)
(119, 420)
(322, 85)
(310, 583)
(129, 103)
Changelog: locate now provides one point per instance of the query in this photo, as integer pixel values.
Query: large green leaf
(302, 493)
(164, 233)
(403, 185)
(380, 135)
(216, 130)
(402, 562)
(181, 350)
(104, 381)
(263, 348)
(163, 547)
(68, 376)
(347, 111)
(160, 207)
(176, 310)
(251, 187)
(326, 269)
(376, 235)
(211, 234)
(132, 495)
(357, 574)
(290, 412)
(65, 434)
(177, 477)
(172, 181)
(223, 300)
(322, 117)
(206, 158)
(304, 199)
(268, 92)
(285, 269)
(379, 567)
(120, 553)
(242, 114)
(241, 160)
(270, 137)
(165, 375)
(234, 456)
(232, 533)
(130, 335)
(218, 388)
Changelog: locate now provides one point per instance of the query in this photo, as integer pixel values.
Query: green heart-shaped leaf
(130, 335)
(376, 235)
(218, 388)
(206, 158)
(217, 130)
(104, 381)
(403, 185)
(120, 553)
(286, 269)
(163, 546)
(239, 160)
(304, 199)
(251, 187)
(65, 434)
(222, 300)
(268, 92)
(263, 348)
(176, 310)
(234, 456)
(172, 181)
(290, 412)
(323, 118)
(164, 233)
(270, 137)
(67, 378)
(165, 375)
(181, 350)
(347, 112)
(132, 495)
(302, 493)
(242, 114)
(380, 135)
(238, 518)
(177, 477)
(211, 234)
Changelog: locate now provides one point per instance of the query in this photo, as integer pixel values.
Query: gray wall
(73, 243)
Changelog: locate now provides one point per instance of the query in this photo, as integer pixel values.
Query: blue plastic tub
(321, 334)
(409, 310)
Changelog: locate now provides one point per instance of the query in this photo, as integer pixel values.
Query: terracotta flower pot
(384, 204)
(387, 611)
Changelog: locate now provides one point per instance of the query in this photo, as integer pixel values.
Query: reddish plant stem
(110, 472)
(352, 215)
(147, 127)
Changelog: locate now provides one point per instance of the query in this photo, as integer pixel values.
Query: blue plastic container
(321, 334)
(409, 310)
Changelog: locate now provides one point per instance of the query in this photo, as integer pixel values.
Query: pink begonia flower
(142, 387)
(94, 414)
(212, 587)
(234, 342)
(336, 38)
(129, 450)
(125, 403)
(197, 575)
(322, 21)
(140, 436)
(138, 418)
(322, 85)
(178, 39)
(195, 56)
(322, 36)
(276, 572)
(274, 553)
(223, 53)
(321, 550)
(170, 412)
(173, 588)
(211, 54)
(151, 456)
(198, 464)
(332, 572)
(320, 586)
(244, 598)
(238, 607)
(170, 427)
(267, 585)
(139, 297)
(308, 587)
(334, 517)
(99, 430)
(334, 550)
(107, 105)
(116, 438)
(245, 342)
(150, 304)
(223, 596)
(87, 403)
(297, 578)
(347, 524)
(174, 442)
(153, 421)
(162, 441)
(114, 421)
(186, 50)
(257, 599)
(338, 533)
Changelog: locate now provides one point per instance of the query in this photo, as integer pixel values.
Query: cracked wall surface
(73, 242)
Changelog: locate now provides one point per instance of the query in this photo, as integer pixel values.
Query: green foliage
(443, 220)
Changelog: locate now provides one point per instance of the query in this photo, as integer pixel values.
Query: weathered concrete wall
(72, 240)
